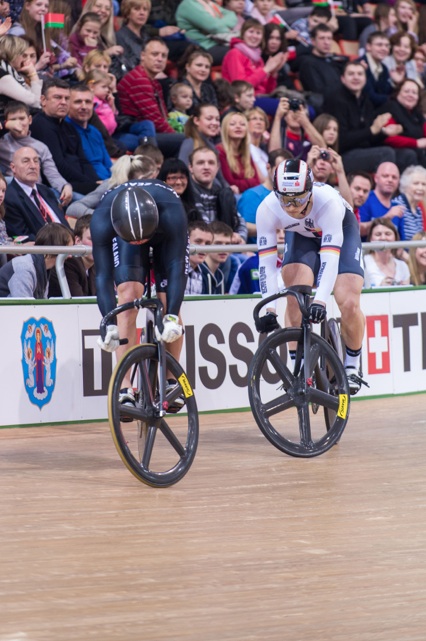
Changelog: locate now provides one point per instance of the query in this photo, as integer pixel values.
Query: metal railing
(82, 250)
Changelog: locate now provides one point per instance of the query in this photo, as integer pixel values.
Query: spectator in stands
(407, 17)
(412, 187)
(181, 97)
(258, 124)
(250, 200)
(86, 36)
(214, 280)
(420, 60)
(361, 133)
(29, 205)
(204, 22)
(175, 173)
(201, 130)
(275, 41)
(141, 95)
(320, 70)
(29, 26)
(99, 84)
(236, 163)
(135, 31)
(199, 233)
(238, 7)
(400, 62)
(17, 123)
(19, 79)
(5, 239)
(417, 261)
(384, 21)
(327, 167)
(244, 60)
(360, 185)
(197, 66)
(381, 268)
(98, 61)
(378, 85)
(242, 97)
(301, 29)
(404, 109)
(379, 202)
(148, 150)
(263, 11)
(292, 129)
(328, 127)
(26, 276)
(79, 113)
(214, 201)
(79, 270)
(50, 127)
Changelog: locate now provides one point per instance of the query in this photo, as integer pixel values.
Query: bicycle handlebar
(301, 293)
(154, 304)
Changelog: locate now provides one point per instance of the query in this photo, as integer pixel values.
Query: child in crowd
(103, 100)
(181, 96)
(242, 97)
(213, 276)
(86, 37)
(199, 233)
(263, 10)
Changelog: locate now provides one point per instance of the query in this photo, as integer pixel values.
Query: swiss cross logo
(378, 344)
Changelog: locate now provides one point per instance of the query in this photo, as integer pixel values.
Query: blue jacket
(94, 149)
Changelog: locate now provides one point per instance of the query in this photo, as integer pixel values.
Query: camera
(324, 155)
(295, 103)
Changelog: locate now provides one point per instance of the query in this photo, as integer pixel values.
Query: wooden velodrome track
(251, 545)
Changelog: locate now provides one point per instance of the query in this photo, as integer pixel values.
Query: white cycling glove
(172, 330)
(111, 340)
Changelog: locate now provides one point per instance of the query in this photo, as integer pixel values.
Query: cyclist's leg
(347, 293)
(295, 274)
(300, 266)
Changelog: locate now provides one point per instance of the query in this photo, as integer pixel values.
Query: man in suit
(29, 205)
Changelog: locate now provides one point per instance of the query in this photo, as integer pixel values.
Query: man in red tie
(29, 204)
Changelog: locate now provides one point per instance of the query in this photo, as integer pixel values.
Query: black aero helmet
(292, 177)
(134, 214)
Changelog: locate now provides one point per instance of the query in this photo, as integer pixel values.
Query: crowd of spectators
(208, 96)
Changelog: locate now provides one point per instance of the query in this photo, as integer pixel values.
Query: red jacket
(401, 141)
(237, 179)
(237, 66)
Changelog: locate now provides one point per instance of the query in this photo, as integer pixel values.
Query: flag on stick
(54, 20)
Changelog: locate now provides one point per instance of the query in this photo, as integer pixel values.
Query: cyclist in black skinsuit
(127, 265)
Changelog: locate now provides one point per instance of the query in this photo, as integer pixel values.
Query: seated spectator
(79, 270)
(17, 123)
(148, 150)
(328, 127)
(250, 200)
(246, 280)
(292, 129)
(136, 31)
(29, 205)
(29, 27)
(244, 60)
(378, 85)
(407, 17)
(181, 98)
(214, 201)
(361, 132)
(236, 163)
(141, 95)
(86, 36)
(204, 22)
(175, 173)
(99, 84)
(239, 8)
(320, 70)
(301, 29)
(404, 110)
(50, 127)
(199, 233)
(384, 21)
(360, 185)
(214, 281)
(79, 113)
(263, 11)
(420, 60)
(381, 268)
(5, 239)
(258, 124)
(412, 188)
(19, 79)
(196, 67)
(242, 97)
(417, 261)
(400, 62)
(27, 276)
(275, 41)
(98, 61)
(379, 203)
(327, 167)
(201, 130)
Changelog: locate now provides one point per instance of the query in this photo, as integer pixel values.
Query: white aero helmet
(292, 177)
(134, 214)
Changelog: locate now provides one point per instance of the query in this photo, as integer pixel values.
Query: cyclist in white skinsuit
(322, 248)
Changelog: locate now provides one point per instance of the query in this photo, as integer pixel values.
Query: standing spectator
(197, 68)
(50, 127)
(360, 185)
(141, 95)
(19, 79)
(79, 113)
(213, 276)
(203, 21)
(417, 261)
(29, 205)
(412, 187)
(199, 233)
(236, 163)
(26, 276)
(381, 268)
(379, 202)
(378, 85)
(361, 133)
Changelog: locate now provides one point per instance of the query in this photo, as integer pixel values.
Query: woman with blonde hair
(236, 163)
(417, 261)
(328, 127)
(19, 79)
(258, 124)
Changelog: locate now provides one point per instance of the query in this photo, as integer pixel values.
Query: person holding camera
(291, 129)
(327, 167)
